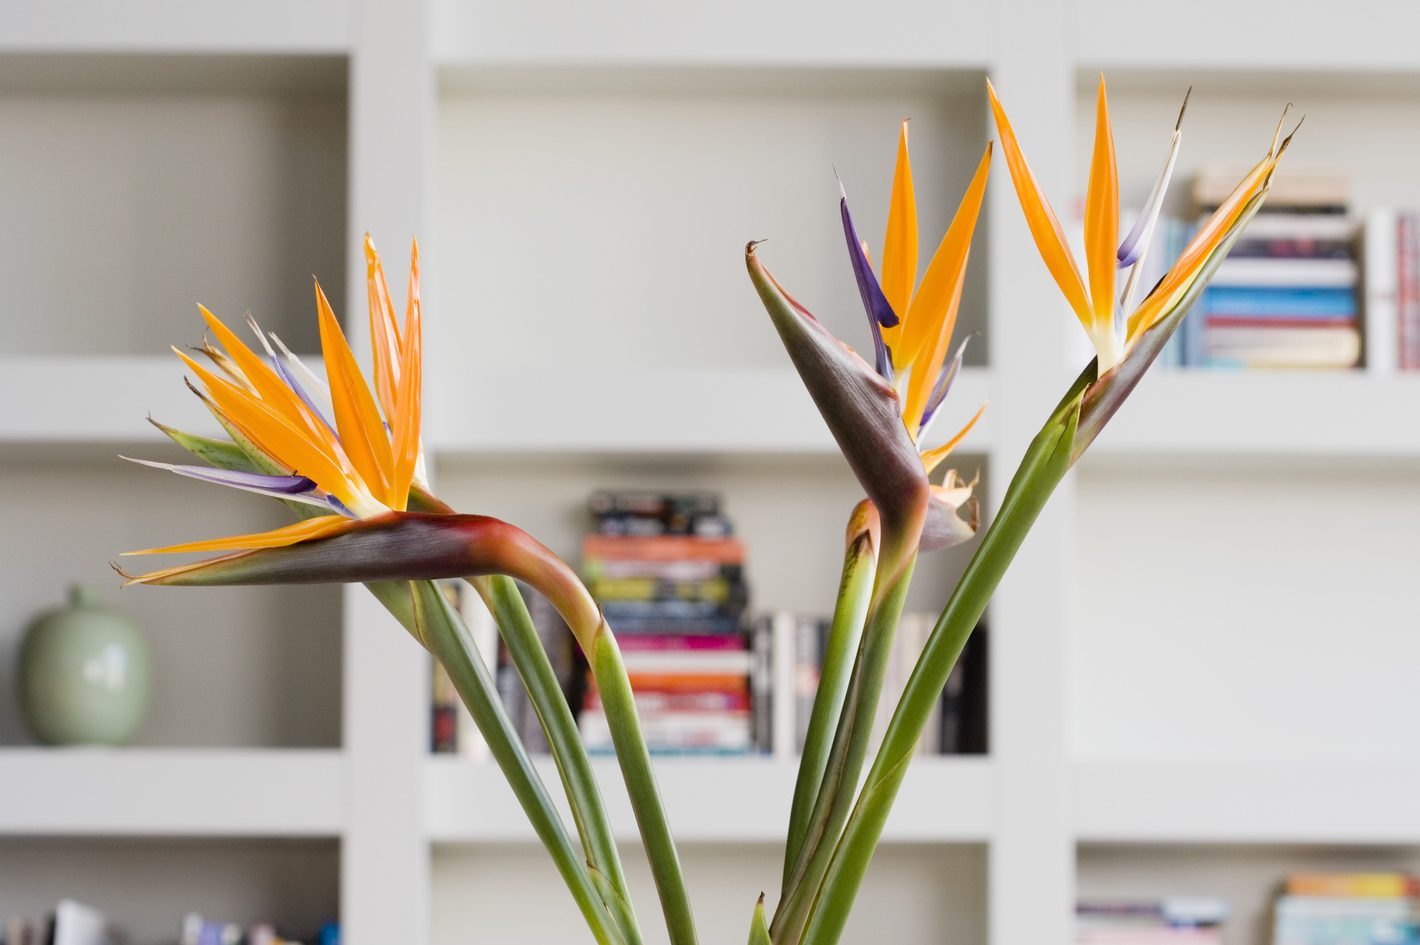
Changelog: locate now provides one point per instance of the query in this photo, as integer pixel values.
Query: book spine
(483, 630)
(1407, 295)
(444, 712)
(786, 706)
(666, 548)
(1380, 311)
(761, 684)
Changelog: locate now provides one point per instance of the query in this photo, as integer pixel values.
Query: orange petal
(408, 400)
(926, 368)
(362, 433)
(1040, 218)
(384, 331)
(1102, 218)
(307, 530)
(275, 435)
(265, 382)
(899, 273)
(932, 458)
(934, 309)
(1196, 253)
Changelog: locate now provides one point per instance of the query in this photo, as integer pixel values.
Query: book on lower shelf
(73, 923)
(1175, 920)
(957, 726)
(1348, 909)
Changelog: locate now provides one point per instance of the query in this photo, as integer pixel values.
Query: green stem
(614, 687)
(435, 623)
(849, 614)
(549, 702)
(551, 577)
(850, 742)
(1042, 469)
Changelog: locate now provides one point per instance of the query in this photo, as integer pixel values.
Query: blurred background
(1189, 714)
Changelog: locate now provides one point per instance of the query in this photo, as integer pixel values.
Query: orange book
(1354, 885)
(689, 682)
(664, 548)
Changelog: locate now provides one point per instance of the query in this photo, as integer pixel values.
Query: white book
(77, 924)
(688, 662)
(720, 731)
(1288, 273)
(784, 737)
(1380, 310)
(1333, 227)
(483, 629)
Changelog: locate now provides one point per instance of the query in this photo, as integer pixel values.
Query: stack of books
(1348, 909)
(1179, 920)
(1287, 295)
(668, 573)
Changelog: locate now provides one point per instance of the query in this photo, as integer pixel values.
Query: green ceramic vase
(83, 675)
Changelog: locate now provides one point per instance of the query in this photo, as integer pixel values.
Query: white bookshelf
(707, 799)
(182, 792)
(1202, 723)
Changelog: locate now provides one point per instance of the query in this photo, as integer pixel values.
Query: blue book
(1246, 301)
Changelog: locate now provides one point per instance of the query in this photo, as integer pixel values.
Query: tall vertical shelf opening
(1254, 639)
(1246, 877)
(511, 895)
(157, 182)
(144, 887)
(243, 667)
(610, 207)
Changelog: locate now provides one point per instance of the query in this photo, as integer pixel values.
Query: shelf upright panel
(385, 863)
(1032, 848)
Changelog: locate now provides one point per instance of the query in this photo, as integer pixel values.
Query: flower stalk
(844, 769)
(440, 630)
(849, 614)
(1041, 471)
(549, 703)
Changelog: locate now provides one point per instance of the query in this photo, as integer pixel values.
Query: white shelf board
(99, 400)
(1365, 36)
(732, 33)
(1282, 802)
(1336, 415)
(95, 401)
(170, 792)
(719, 800)
(177, 26)
(661, 412)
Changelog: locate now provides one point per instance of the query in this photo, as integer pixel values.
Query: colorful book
(1279, 300)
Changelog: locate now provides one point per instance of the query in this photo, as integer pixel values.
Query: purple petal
(283, 368)
(1136, 244)
(297, 488)
(940, 389)
(875, 304)
(296, 386)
